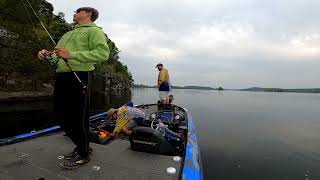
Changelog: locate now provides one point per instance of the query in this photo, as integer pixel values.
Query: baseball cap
(159, 64)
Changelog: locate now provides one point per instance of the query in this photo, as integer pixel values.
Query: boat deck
(38, 158)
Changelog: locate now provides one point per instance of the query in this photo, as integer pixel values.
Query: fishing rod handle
(79, 80)
(75, 74)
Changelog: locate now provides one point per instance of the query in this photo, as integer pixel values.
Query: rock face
(110, 82)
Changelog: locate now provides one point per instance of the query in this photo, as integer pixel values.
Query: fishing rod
(48, 55)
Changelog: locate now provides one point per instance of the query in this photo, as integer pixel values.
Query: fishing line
(65, 60)
(34, 12)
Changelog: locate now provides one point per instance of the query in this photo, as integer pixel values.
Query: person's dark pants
(71, 107)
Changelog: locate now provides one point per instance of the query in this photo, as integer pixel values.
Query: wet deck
(38, 158)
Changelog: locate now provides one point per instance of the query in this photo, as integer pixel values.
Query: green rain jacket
(87, 45)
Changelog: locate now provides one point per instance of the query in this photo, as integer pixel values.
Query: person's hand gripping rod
(47, 57)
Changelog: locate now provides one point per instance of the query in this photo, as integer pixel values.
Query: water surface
(252, 135)
(242, 135)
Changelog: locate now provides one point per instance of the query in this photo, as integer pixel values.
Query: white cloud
(221, 39)
(307, 45)
(143, 41)
(232, 43)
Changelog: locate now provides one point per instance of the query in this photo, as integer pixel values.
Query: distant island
(256, 89)
(305, 90)
(179, 87)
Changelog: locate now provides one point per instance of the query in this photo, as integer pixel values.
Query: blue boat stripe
(38, 132)
(26, 135)
(192, 169)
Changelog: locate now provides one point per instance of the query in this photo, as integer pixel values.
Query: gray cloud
(231, 43)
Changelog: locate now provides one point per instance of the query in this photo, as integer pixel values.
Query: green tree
(19, 50)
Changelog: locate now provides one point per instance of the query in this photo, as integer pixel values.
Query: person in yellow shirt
(134, 115)
(163, 84)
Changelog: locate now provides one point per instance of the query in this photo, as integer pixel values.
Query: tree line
(22, 36)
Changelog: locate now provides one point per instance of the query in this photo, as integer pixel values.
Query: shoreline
(25, 96)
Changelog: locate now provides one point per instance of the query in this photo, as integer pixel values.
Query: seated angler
(134, 115)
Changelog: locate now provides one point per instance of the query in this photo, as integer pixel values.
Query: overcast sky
(228, 43)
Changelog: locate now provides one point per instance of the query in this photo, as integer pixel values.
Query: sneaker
(75, 162)
(74, 153)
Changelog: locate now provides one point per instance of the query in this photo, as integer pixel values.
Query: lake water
(242, 135)
(252, 135)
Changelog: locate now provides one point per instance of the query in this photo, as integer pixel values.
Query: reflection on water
(23, 117)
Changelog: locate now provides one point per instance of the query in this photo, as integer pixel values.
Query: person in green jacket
(81, 48)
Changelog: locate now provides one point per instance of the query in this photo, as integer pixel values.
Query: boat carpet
(39, 158)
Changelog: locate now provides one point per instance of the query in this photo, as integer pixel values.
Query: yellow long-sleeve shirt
(163, 76)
